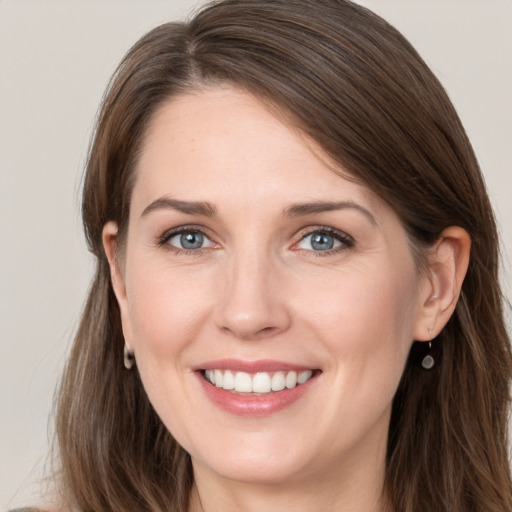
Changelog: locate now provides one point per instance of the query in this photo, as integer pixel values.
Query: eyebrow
(190, 207)
(303, 209)
(297, 210)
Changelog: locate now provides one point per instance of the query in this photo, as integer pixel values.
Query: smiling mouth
(257, 383)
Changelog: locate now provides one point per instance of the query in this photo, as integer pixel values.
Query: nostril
(250, 314)
(252, 334)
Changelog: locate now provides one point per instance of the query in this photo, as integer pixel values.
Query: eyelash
(163, 240)
(346, 242)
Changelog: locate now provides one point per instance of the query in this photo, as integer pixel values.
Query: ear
(440, 287)
(109, 237)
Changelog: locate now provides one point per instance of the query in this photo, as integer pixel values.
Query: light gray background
(55, 60)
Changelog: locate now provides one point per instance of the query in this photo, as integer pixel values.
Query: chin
(256, 470)
(253, 457)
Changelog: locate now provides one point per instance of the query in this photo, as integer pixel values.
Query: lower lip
(254, 405)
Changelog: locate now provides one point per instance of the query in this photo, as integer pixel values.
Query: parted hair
(352, 83)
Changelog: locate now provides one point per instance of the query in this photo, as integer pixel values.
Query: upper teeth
(261, 382)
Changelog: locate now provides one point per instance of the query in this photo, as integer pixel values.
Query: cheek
(366, 315)
(365, 322)
(167, 311)
(165, 308)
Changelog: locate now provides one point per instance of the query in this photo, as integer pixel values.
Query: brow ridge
(189, 207)
(303, 209)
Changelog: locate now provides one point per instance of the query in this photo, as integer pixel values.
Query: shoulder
(43, 508)
(27, 509)
(31, 509)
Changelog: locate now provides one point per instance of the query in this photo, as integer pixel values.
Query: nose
(253, 303)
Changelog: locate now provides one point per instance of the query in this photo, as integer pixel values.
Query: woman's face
(251, 264)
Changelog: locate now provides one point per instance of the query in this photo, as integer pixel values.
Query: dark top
(25, 510)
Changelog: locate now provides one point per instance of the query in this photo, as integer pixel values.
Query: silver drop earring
(428, 361)
(129, 358)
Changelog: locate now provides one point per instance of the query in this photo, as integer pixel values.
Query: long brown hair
(352, 83)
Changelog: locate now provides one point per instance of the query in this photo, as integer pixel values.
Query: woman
(296, 301)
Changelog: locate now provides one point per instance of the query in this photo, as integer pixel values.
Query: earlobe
(448, 262)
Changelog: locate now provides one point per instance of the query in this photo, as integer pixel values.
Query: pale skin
(217, 165)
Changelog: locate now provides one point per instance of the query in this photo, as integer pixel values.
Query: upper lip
(261, 365)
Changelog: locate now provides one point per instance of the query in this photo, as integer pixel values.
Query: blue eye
(189, 240)
(322, 240)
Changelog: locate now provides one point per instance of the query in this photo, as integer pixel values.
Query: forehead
(224, 143)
